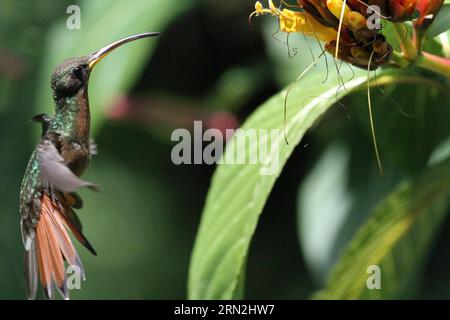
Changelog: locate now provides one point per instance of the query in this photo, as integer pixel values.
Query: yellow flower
(292, 21)
(259, 8)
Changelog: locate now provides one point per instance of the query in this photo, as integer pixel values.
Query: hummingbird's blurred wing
(55, 172)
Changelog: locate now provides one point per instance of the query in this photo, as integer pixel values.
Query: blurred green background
(208, 65)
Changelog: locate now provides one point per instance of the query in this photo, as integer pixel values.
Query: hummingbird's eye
(78, 73)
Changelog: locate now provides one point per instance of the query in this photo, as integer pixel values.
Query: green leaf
(444, 40)
(238, 192)
(407, 131)
(396, 239)
(103, 22)
(441, 23)
(320, 219)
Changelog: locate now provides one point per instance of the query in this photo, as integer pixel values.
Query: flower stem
(408, 48)
(434, 63)
(398, 59)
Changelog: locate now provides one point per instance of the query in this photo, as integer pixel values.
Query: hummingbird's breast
(70, 131)
(75, 153)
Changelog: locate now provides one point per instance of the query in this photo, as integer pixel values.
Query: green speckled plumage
(64, 122)
(30, 192)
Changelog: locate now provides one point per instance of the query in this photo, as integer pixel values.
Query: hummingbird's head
(72, 75)
(69, 77)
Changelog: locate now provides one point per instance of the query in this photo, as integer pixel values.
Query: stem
(399, 60)
(407, 46)
(434, 63)
(417, 39)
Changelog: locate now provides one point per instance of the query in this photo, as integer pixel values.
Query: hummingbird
(48, 194)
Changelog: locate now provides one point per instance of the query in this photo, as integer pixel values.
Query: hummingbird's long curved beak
(103, 52)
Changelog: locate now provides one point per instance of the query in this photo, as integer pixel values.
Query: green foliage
(345, 169)
(143, 222)
(396, 238)
(441, 23)
(238, 192)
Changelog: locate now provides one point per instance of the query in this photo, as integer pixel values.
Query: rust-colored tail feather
(73, 223)
(51, 247)
(45, 264)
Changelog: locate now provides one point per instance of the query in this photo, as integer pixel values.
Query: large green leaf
(101, 23)
(396, 239)
(238, 192)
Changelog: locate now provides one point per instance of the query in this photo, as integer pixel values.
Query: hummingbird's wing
(47, 215)
(55, 172)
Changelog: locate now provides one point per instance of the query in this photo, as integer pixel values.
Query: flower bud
(318, 9)
(358, 53)
(335, 7)
(401, 10)
(427, 11)
(356, 20)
